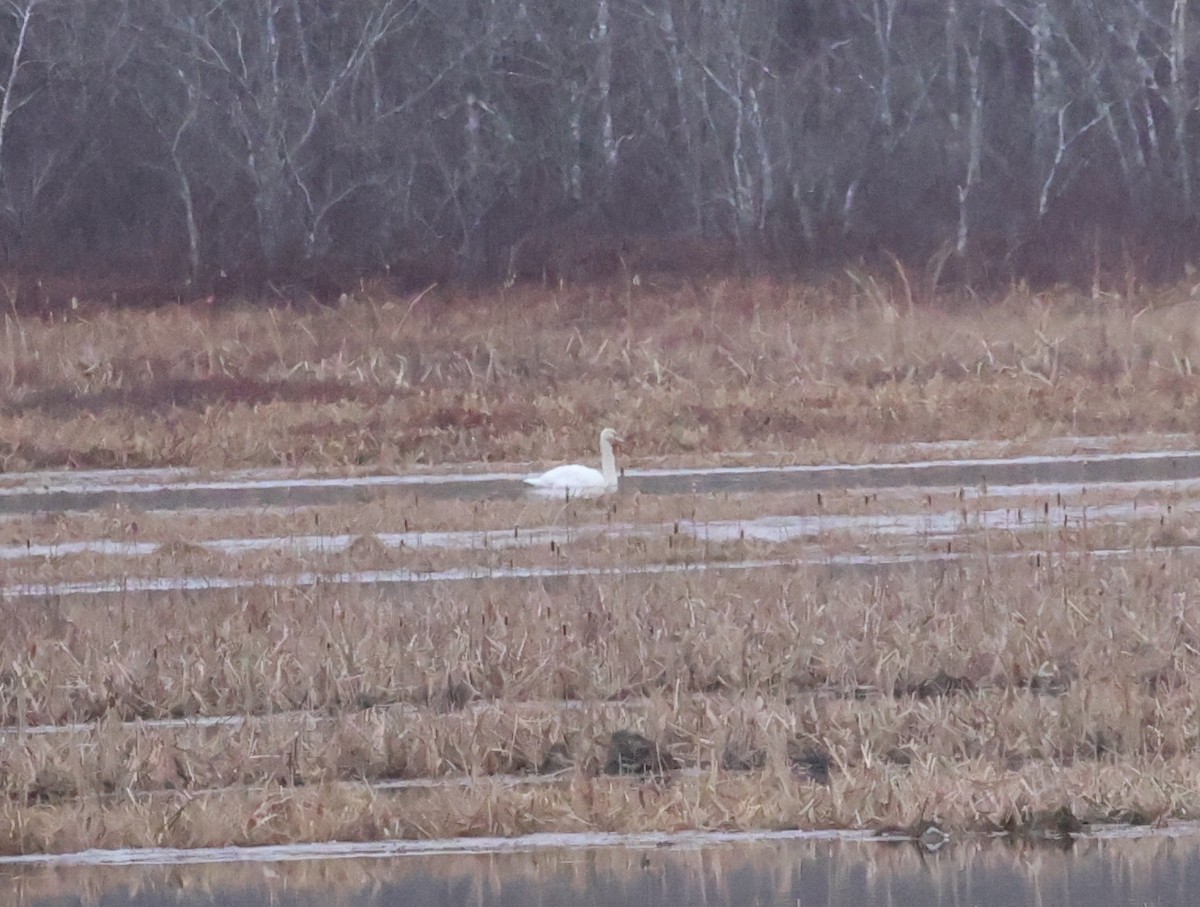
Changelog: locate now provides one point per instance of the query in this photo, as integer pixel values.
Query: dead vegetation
(816, 370)
(1038, 681)
(980, 694)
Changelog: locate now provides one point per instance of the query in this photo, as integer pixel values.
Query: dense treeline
(281, 138)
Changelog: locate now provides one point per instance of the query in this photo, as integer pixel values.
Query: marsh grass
(987, 692)
(960, 793)
(980, 692)
(159, 655)
(818, 370)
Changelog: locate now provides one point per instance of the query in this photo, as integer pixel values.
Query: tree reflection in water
(812, 873)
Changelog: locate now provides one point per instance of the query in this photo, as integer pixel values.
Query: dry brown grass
(819, 371)
(772, 632)
(985, 692)
(962, 793)
(981, 693)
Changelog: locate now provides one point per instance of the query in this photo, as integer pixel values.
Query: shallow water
(1043, 507)
(166, 490)
(1096, 872)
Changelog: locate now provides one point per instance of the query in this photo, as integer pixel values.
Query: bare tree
(295, 137)
(16, 91)
(278, 86)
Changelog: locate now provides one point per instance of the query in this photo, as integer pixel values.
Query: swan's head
(609, 437)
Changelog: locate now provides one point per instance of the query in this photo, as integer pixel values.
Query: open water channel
(1119, 868)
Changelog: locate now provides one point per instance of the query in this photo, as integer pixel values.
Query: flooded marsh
(872, 570)
(982, 653)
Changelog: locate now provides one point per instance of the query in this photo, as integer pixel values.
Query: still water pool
(1112, 871)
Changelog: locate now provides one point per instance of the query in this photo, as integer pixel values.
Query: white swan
(580, 479)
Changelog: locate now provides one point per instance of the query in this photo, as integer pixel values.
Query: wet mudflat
(1113, 871)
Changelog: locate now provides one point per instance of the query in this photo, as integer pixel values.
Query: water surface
(182, 490)
(1090, 872)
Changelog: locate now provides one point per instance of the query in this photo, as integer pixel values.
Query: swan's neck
(608, 463)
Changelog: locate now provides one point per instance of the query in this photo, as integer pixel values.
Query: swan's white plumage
(570, 476)
(576, 478)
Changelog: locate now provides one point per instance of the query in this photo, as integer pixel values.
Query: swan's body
(574, 478)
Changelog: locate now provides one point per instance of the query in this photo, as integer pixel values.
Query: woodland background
(202, 143)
